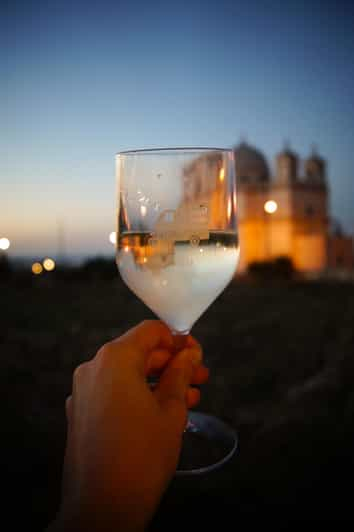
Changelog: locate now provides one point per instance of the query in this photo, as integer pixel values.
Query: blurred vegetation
(281, 355)
(5, 266)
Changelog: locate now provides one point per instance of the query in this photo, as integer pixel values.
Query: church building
(287, 214)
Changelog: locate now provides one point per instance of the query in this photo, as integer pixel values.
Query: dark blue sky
(82, 80)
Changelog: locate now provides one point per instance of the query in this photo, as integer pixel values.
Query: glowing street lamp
(113, 237)
(49, 264)
(37, 268)
(4, 243)
(270, 206)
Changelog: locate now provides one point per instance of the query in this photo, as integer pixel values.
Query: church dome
(251, 165)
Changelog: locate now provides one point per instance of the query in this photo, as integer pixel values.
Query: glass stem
(180, 340)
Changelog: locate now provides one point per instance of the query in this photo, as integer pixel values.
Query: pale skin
(124, 438)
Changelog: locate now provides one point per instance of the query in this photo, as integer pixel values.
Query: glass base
(208, 443)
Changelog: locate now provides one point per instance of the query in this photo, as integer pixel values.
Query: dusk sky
(83, 80)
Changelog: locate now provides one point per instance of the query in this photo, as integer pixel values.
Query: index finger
(148, 335)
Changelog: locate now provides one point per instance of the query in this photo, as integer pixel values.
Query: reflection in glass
(177, 248)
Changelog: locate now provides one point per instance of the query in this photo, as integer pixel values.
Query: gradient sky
(83, 80)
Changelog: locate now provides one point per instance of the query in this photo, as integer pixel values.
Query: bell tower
(287, 163)
(315, 168)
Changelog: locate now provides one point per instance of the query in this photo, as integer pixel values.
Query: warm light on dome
(4, 243)
(270, 206)
(113, 237)
(49, 264)
(37, 268)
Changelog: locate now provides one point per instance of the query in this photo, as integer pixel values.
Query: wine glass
(177, 249)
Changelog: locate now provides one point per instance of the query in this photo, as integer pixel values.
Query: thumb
(175, 380)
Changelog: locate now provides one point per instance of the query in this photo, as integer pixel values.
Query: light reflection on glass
(229, 208)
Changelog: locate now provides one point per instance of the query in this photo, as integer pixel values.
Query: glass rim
(186, 149)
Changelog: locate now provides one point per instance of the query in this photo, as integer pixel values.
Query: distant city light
(113, 237)
(37, 268)
(4, 243)
(49, 264)
(222, 174)
(270, 206)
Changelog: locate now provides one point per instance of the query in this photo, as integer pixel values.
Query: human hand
(124, 438)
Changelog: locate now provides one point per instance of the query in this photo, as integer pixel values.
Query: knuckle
(78, 372)
(106, 353)
(148, 324)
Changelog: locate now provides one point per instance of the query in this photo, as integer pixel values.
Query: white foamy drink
(177, 280)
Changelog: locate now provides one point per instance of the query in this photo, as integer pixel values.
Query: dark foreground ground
(282, 373)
